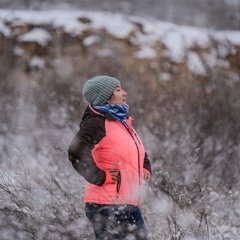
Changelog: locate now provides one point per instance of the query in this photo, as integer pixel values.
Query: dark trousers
(115, 222)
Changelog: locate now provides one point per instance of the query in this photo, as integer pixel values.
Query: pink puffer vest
(121, 149)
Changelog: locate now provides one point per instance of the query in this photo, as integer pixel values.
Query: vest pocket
(118, 185)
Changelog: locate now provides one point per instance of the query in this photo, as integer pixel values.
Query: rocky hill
(183, 87)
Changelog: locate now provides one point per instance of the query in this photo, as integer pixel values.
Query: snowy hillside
(178, 41)
(183, 87)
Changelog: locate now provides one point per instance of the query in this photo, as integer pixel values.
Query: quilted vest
(121, 148)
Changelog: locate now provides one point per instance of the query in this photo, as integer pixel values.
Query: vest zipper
(137, 137)
(139, 174)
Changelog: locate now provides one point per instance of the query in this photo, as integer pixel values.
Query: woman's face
(119, 96)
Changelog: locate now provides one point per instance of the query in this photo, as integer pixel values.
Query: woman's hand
(112, 175)
(147, 176)
(115, 174)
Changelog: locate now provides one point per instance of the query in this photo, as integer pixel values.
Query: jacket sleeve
(147, 164)
(79, 152)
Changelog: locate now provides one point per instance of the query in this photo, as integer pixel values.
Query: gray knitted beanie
(97, 90)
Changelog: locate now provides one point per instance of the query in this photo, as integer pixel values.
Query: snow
(88, 41)
(116, 24)
(175, 45)
(194, 36)
(163, 206)
(178, 40)
(232, 37)
(146, 52)
(37, 62)
(38, 35)
(195, 64)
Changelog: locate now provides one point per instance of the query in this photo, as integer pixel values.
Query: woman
(109, 154)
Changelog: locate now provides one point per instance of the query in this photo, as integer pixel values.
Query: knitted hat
(97, 90)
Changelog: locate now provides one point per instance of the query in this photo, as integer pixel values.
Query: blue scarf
(118, 111)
